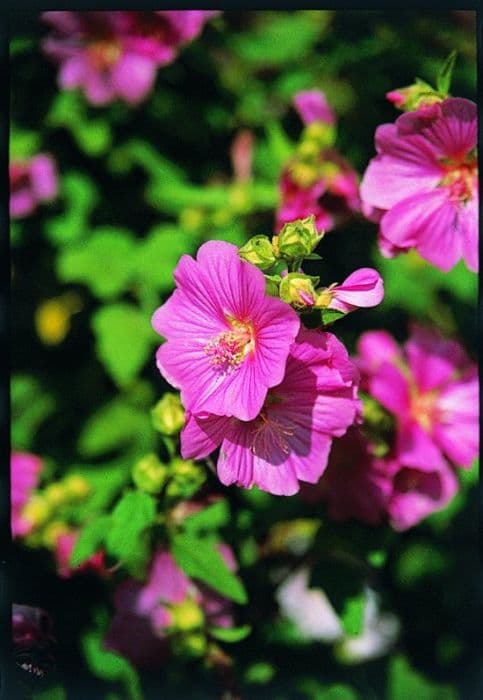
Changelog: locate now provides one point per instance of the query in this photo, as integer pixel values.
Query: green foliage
(201, 559)
(80, 196)
(404, 682)
(69, 111)
(352, 616)
(133, 514)
(90, 539)
(124, 340)
(230, 635)
(157, 255)
(212, 517)
(30, 407)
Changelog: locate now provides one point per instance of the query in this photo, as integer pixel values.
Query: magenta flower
(25, 469)
(227, 340)
(169, 603)
(31, 183)
(290, 439)
(312, 106)
(63, 549)
(416, 493)
(332, 198)
(363, 288)
(355, 484)
(425, 178)
(432, 389)
(116, 54)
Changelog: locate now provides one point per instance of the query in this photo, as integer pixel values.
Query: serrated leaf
(200, 558)
(103, 263)
(90, 539)
(230, 634)
(124, 340)
(157, 256)
(209, 518)
(443, 81)
(135, 512)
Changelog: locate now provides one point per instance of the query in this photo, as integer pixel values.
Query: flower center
(104, 53)
(270, 432)
(228, 349)
(461, 179)
(423, 409)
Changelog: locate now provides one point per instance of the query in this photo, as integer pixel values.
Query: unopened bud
(37, 510)
(150, 474)
(324, 296)
(187, 616)
(298, 290)
(413, 97)
(168, 414)
(56, 494)
(299, 238)
(77, 487)
(259, 252)
(186, 478)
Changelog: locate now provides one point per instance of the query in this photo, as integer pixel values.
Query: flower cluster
(318, 180)
(421, 422)
(168, 611)
(255, 383)
(422, 186)
(31, 182)
(113, 55)
(25, 470)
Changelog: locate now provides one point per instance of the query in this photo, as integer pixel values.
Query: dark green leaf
(404, 682)
(89, 540)
(330, 316)
(135, 512)
(443, 81)
(230, 634)
(209, 518)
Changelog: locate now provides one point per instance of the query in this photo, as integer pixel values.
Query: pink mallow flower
(290, 439)
(362, 289)
(63, 549)
(25, 469)
(312, 106)
(31, 182)
(431, 388)
(227, 340)
(169, 603)
(116, 54)
(425, 179)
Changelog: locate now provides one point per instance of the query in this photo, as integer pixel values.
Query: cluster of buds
(280, 258)
(421, 94)
(179, 479)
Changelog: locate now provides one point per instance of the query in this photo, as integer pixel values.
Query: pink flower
(312, 106)
(227, 341)
(355, 484)
(432, 389)
(116, 54)
(425, 178)
(416, 493)
(290, 439)
(25, 469)
(31, 183)
(363, 288)
(331, 197)
(63, 549)
(169, 603)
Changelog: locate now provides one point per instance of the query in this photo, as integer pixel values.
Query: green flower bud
(186, 478)
(77, 487)
(414, 96)
(192, 644)
(321, 134)
(299, 238)
(259, 252)
(298, 290)
(149, 474)
(56, 494)
(168, 414)
(37, 510)
(187, 616)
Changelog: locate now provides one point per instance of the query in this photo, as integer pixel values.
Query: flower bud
(149, 474)
(168, 414)
(53, 531)
(298, 290)
(187, 615)
(412, 97)
(259, 252)
(299, 238)
(56, 494)
(321, 134)
(186, 478)
(77, 487)
(37, 510)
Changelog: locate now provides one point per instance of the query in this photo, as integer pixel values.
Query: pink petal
(468, 222)
(390, 387)
(200, 437)
(432, 359)
(363, 288)
(312, 106)
(133, 77)
(416, 448)
(376, 347)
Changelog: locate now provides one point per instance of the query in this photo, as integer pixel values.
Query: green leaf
(89, 540)
(210, 518)
(124, 340)
(352, 616)
(404, 682)
(443, 80)
(69, 111)
(116, 425)
(157, 256)
(80, 197)
(330, 316)
(200, 558)
(106, 482)
(230, 634)
(135, 512)
(56, 692)
(260, 672)
(103, 263)
(22, 144)
(110, 666)
(30, 407)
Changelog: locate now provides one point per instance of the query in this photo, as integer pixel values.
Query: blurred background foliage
(139, 187)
